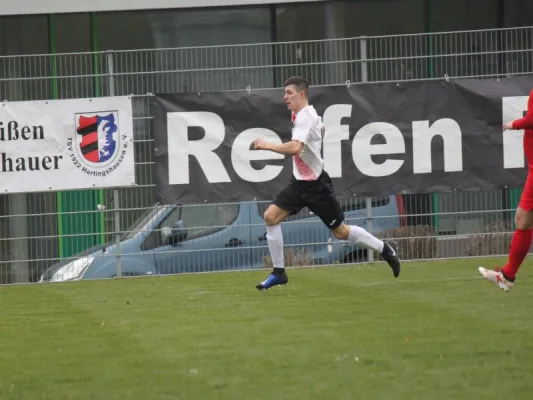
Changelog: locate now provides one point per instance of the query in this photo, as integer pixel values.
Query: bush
(414, 242)
(495, 240)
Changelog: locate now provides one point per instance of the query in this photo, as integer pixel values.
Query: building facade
(25, 27)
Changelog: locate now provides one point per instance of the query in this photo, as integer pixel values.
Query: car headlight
(73, 270)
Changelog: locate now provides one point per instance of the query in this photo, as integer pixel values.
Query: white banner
(66, 144)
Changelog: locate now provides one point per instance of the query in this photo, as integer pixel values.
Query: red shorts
(526, 200)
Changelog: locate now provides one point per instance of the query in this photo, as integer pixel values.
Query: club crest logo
(96, 146)
(97, 138)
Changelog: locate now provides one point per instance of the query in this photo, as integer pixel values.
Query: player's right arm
(292, 148)
(524, 123)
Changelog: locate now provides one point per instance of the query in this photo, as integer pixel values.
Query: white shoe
(496, 276)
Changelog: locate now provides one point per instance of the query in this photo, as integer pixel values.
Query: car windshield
(141, 222)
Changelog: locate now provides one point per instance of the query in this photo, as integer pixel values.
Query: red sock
(519, 248)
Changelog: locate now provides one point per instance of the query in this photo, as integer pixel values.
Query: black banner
(410, 137)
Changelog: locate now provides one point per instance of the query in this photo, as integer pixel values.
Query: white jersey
(307, 128)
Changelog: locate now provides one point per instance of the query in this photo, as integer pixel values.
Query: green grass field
(437, 332)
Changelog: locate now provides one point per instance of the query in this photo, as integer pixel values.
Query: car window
(171, 219)
(140, 223)
(303, 213)
(153, 240)
(347, 204)
(359, 203)
(206, 219)
(199, 221)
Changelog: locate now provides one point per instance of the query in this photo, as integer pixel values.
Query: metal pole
(368, 203)
(331, 33)
(116, 196)
(117, 231)
(364, 78)
(364, 57)
(110, 68)
(18, 227)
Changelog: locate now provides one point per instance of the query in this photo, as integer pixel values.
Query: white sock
(275, 244)
(364, 239)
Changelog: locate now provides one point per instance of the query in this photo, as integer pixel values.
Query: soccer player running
(523, 234)
(310, 186)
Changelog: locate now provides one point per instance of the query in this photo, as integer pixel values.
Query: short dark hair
(298, 81)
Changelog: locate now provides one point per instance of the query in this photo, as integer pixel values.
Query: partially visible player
(523, 234)
(310, 186)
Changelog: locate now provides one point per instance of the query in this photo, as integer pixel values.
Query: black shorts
(317, 195)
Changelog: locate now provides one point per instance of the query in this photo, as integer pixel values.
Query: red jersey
(526, 123)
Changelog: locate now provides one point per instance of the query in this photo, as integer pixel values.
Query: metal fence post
(368, 204)
(116, 195)
(117, 231)
(364, 57)
(364, 78)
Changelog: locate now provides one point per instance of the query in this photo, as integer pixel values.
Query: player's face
(293, 98)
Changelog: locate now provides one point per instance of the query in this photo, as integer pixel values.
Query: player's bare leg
(520, 244)
(362, 238)
(273, 216)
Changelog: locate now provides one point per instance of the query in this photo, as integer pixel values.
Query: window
(153, 240)
(389, 17)
(383, 17)
(171, 220)
(140, 223)
(359, 203)
(209, 218)
(303, 213)
(301, 22)
(347, 204)
(518, 13)
(63, 27)
(461, 211)
(329, 20)
(518, 43)
(340, 19)
(124, 30)
(454, 15)
(25, 76)
(298, 22)
(24, 35)
(177, 69)
(199, 221)
(78, 66)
